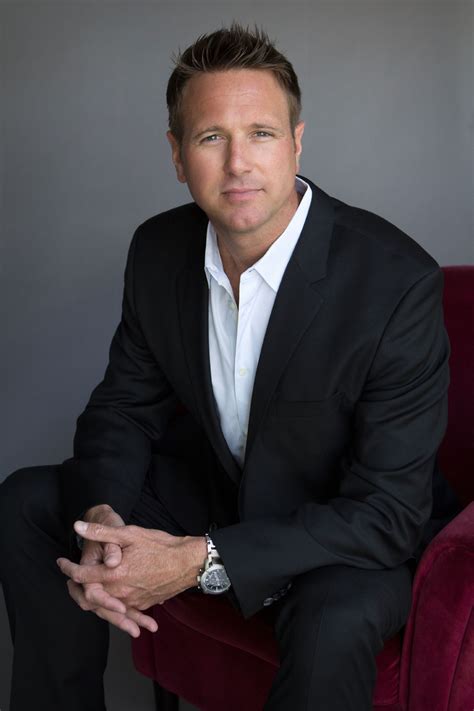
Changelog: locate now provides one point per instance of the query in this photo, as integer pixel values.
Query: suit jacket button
(212, 526)
(268, 601)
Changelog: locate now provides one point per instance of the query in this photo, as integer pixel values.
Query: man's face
(238, 155)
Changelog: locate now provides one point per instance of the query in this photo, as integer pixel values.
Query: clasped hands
(127, 569)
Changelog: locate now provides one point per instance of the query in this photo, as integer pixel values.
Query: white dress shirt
(236, 333)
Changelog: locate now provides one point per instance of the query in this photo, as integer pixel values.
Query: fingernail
(80, 526)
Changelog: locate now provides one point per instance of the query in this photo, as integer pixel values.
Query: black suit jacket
(348, 406)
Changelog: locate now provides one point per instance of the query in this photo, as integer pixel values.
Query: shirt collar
(212, 257)
(272, 265)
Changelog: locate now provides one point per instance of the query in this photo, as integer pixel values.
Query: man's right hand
(93, 596)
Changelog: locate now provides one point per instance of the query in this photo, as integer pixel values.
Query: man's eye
(263, 134)
(210, 139)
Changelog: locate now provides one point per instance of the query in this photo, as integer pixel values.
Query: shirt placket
(244, 367)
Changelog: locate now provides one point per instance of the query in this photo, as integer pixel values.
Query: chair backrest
(456, 455)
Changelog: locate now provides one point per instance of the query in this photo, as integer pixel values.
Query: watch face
(215, 580)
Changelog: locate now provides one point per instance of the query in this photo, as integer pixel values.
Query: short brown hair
(233, 48)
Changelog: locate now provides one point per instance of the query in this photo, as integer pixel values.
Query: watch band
(212, 556)
(211, 549)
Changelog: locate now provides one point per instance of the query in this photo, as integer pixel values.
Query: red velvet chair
(207, 654)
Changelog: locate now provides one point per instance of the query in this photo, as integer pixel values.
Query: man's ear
(298, 135)
(176, 156)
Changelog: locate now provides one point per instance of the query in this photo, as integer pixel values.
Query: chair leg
(165, 700)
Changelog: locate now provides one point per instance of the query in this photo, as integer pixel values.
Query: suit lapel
(193, 299)
(296, 305)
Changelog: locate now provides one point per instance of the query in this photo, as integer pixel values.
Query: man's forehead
(253, 92)
(232, 82)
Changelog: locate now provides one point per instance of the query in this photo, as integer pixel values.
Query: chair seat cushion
(203, 639)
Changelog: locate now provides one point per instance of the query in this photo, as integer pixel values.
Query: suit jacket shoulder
(375, 237)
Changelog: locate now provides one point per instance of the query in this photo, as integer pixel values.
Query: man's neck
(240, 252)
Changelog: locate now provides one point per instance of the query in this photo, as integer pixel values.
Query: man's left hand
(155, 565)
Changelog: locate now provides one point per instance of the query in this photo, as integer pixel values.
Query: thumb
(101, 532)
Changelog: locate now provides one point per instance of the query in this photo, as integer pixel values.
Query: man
(305, 340)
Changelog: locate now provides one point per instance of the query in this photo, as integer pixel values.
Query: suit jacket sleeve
(385, 497)
(126, 412)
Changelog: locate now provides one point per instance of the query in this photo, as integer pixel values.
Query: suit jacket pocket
(308, 408)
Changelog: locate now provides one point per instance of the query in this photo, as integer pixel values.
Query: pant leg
(330, 627)
(60, 651)
(151, 512)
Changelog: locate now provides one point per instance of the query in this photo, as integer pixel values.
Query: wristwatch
(212, 578)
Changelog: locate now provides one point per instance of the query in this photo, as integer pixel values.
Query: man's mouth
(240, 194)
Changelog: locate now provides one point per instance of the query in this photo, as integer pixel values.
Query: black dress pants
(329, 627)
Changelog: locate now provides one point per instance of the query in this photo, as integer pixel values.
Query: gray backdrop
(388, 91)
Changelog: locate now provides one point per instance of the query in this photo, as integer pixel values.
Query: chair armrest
(438, 645)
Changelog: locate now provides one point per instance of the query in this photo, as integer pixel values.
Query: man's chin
(240, 224)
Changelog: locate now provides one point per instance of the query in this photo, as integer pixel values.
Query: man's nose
(238, 159)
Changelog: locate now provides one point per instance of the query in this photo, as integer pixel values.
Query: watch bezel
(213, 568)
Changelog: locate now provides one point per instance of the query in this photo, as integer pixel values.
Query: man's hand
(93, 596)
(154, 565)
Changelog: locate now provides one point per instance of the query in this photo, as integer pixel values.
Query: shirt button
(232, 306)
(243, 371)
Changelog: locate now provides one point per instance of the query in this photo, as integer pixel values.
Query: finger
(93, 596)
(77, 594)
(130, 622)
(76, 591)
(101, 532)
(143, 620)
(112, 555)
(97, 596)
(86, 573)
(92, 553)
(121, 621)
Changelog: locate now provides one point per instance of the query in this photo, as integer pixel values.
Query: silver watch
(212, 578)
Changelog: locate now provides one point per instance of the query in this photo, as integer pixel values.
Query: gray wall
(388, 91)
